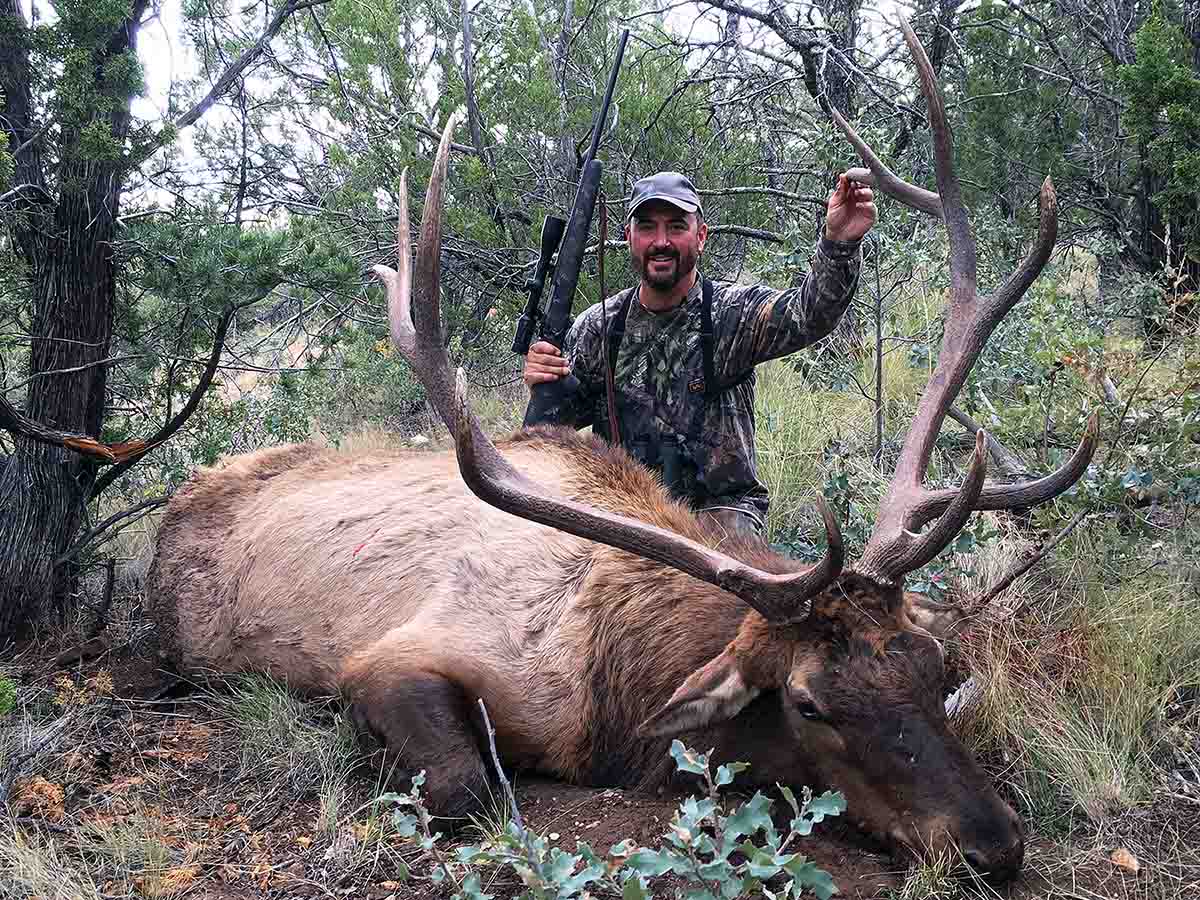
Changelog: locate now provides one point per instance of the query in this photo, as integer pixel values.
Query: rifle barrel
(598, 128)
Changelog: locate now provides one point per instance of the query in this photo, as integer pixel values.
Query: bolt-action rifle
(546, 398)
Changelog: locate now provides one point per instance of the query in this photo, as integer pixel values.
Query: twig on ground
(508, 791)
(1028, 563)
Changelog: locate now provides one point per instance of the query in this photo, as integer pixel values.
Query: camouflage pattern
(704, 447)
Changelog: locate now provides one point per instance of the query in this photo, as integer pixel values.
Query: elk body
(552, 576)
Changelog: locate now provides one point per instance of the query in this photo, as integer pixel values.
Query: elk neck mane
(638, 628)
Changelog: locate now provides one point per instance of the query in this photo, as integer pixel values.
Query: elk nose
(997, 864)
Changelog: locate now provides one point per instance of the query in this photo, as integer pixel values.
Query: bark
(65, 238)
(827, 67)
(44, 489)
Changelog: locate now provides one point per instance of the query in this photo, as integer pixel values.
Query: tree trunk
(44, 490)
(67, 244)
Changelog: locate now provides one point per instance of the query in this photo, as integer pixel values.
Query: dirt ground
(213, 828)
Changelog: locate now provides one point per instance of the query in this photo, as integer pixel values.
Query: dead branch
(239, 65)
(1007, 463)
(1036, 555)
(193, 402)
(91, 535)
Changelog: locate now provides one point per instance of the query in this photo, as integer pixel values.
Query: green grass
(297, 746)
(945, 877)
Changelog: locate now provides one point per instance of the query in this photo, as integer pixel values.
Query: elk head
(834, 676)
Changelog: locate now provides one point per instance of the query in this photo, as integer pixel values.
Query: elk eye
(808, 710)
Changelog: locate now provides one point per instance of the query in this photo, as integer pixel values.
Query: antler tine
(1021, 494)
(958, 228)
(894, 547)
(905, 550)
(417, 335)
(879, 175)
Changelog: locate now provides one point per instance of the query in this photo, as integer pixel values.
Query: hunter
(683, 347)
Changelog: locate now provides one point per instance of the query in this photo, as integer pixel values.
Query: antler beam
(895, 547)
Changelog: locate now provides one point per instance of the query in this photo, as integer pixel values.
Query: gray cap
(676, 189)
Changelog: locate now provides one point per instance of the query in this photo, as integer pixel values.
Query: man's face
(665, 243)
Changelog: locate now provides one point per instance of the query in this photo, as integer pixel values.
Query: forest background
(192, 195)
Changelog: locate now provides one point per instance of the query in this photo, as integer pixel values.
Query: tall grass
(34, 866)
(289, 743)
(1077, 694)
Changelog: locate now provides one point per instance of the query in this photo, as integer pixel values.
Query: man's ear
(702, 231)
(713, 693)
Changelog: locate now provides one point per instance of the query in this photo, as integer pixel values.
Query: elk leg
(424, 720)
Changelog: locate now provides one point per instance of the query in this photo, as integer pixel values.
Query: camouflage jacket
(703, 446)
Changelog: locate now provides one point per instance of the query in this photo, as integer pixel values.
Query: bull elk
(593, 614)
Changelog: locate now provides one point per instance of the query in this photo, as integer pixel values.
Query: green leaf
(717, 870)
(469, 852)
(571, 887)
(651, 862)
(404, 823)
(472, 888)
(624, 848)
(692, 812)
(561, 865)
(688, 760)
(762, 864)
(726, 773)
(807, 875)
(751, 817)
(830, 803)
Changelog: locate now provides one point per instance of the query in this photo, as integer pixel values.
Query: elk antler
(417, 334)
(895, 546)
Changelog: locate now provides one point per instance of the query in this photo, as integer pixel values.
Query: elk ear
(713, 693)
(942, 620)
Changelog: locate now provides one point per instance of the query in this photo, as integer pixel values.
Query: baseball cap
(673, 187)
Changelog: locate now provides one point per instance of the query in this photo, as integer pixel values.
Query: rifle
(546, 399)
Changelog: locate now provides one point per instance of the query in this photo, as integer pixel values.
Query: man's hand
(544, 362)
(851, 210)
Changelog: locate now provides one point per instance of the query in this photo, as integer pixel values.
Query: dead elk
(552, 577)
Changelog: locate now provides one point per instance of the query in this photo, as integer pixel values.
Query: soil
(176, 766)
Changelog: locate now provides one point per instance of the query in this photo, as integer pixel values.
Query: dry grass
(34, 865)
(944, 877)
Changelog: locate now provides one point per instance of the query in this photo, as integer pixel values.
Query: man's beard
(684, 264)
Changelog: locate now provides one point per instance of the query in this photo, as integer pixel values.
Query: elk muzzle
(991, 841)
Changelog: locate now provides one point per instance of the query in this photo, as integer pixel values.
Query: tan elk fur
(306, 564)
